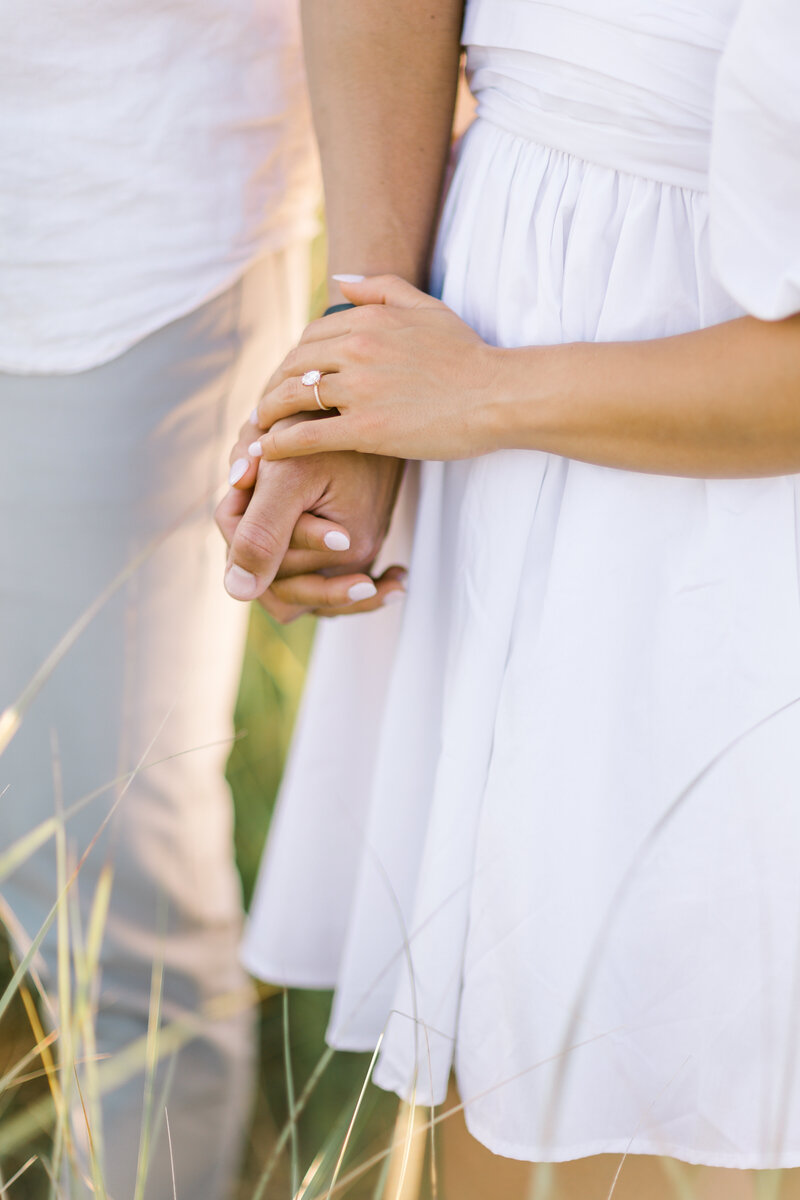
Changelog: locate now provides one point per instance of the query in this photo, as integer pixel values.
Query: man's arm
(382, 76)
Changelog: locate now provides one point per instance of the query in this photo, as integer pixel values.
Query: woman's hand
(407, 377)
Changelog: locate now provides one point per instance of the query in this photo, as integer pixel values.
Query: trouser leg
(93, 468)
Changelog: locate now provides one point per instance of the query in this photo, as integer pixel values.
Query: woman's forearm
(382, 77)
(721, 402)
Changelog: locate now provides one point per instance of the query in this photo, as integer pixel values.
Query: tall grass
(51, 1078)
(320, 1128)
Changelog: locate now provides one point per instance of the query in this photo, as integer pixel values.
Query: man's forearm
(382, 76)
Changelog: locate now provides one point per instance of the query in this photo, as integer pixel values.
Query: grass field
(270, 689)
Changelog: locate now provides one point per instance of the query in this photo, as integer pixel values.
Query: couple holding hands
(544, 807)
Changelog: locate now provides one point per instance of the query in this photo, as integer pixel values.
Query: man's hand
(276, 526)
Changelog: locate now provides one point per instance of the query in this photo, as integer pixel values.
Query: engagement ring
(312, 379)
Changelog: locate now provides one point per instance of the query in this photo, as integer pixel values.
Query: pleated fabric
(545, 822)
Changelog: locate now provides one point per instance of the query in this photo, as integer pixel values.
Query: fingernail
(237, 470)
(255, 449)
(393, 597)
(349, 278)
(240, 583)
(336, 540)
(254, 417)
(362, 591)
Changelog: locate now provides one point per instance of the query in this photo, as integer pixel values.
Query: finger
(284, 614)
(334, 326)
(316, 533)
(385, 289)
(289, 395)
(313, 562)
(321, 353)
(243, 459)
(263, 533)
(390, 588)
(244, 467)
(316, 437)
(229, 512)
(322, 591)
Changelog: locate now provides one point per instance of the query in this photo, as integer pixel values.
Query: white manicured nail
(240, 583)
(254, 417)
(237, 470)
(335, 540)
(362, 591)
(349, 278)
(394, 597)
(255, 449)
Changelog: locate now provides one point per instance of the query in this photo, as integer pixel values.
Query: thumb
(262, 536)
(384, 289)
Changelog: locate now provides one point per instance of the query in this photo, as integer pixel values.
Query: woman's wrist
(524, 406)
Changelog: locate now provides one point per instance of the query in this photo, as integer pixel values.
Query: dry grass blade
(9, 724)
(112, 1073)
(313, 1185)
(15, 1075)
(21, 850)
(85, 1017)
(25, 846)
(287, 1066)
(65, 1047)
(171, 1156)
(283, 1137)
(6, 1187)
(353, 1119)
(404, 1177)
(151, 1062)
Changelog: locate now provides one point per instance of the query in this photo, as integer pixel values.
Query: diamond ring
(312, 379)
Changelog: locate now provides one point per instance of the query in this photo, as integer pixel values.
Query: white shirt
(150, 150)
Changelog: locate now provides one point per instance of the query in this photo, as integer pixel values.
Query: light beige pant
(93, 467)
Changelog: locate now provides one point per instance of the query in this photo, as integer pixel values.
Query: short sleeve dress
(543, 823)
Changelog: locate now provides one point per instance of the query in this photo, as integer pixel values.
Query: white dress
(544, 823)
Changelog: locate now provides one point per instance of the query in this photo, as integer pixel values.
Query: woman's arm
(409, 378)
(723, 402)
(382, 76)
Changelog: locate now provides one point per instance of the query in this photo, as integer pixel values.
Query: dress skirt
(543, 823)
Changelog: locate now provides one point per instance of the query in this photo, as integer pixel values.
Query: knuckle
(289, 365)
(307, 434)
(280, 612)
(360, 345)
(366, 429)
(364, 548)
(254, 543)
(312, 330)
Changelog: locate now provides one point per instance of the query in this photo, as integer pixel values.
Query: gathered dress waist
(638, 100)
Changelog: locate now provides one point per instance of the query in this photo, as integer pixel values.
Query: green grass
(265, 714)
(270, 689)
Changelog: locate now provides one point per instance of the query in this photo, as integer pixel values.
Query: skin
(278, 529)
(383, 165)
(409, 378)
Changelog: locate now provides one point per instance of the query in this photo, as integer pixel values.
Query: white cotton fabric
(545, 822)
(150, 152)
